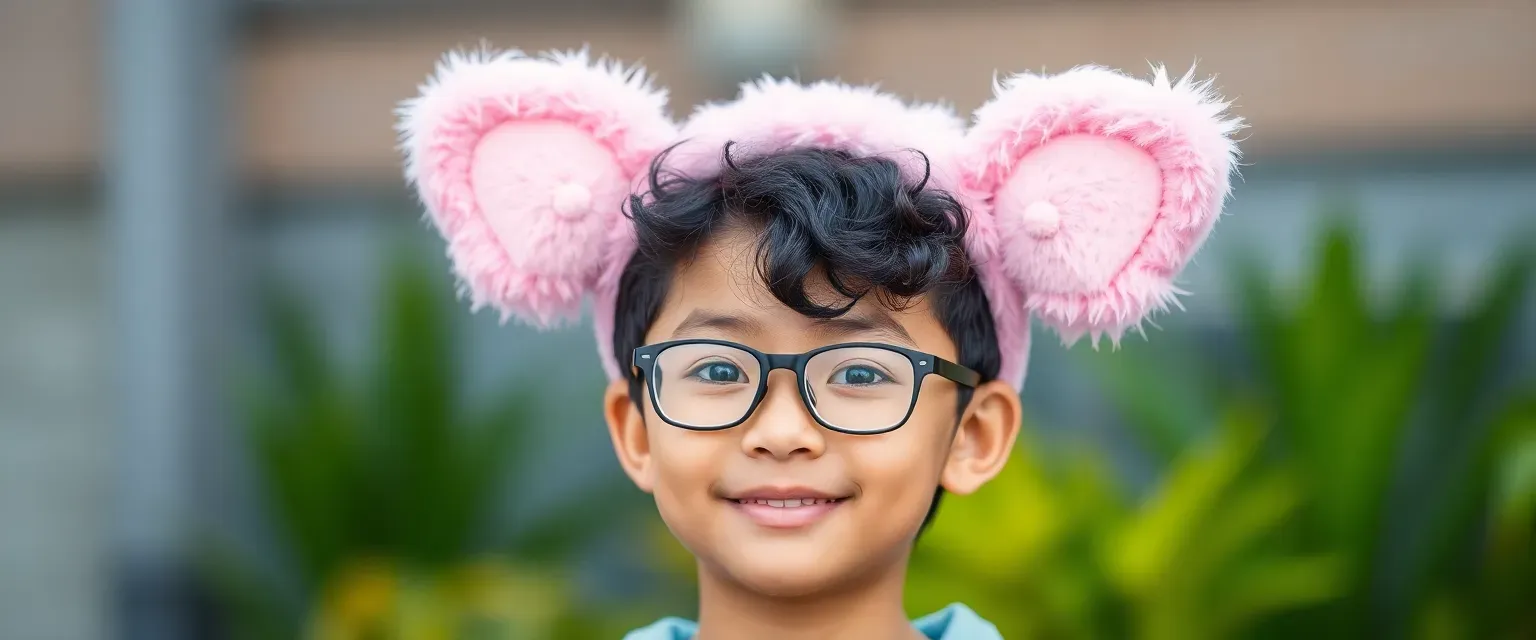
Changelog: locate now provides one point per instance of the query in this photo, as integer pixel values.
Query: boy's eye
(719, 372)
(857, 375)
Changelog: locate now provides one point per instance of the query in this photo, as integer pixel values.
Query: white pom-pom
(571, 200)
(1040, 220)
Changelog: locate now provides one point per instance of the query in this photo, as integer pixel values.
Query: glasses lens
(705, 385)
(860, 388)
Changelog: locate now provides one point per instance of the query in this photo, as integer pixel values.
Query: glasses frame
(923, 364)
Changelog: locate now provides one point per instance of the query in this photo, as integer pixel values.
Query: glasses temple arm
(958, 373)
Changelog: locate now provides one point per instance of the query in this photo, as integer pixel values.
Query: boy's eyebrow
(706, 319)
(872, 322)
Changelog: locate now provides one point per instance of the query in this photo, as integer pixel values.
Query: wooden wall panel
(315, 97)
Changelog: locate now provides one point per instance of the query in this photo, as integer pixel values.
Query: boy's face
(882, 485)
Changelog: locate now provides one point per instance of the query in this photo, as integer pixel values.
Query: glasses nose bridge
(782, 361)
(788, 362)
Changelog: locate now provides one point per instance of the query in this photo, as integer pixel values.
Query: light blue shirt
(954, 622)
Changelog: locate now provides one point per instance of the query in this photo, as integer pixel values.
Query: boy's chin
(779, 576)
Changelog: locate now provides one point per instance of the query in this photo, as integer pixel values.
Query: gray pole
(165, 190)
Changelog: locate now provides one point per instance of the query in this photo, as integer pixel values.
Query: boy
(815, 314)
(803, 513)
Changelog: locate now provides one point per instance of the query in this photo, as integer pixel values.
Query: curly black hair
(853, 220)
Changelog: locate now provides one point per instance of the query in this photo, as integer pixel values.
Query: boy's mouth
(785, 508)
(788, 503)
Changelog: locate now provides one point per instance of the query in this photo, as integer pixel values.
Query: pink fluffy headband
(1088, 190)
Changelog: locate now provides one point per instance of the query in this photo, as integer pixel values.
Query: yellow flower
(357, 602)
(485, 598)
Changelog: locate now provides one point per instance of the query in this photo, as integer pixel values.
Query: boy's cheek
(902, 488)
(677, 517)
(915, 452)
(686, 464)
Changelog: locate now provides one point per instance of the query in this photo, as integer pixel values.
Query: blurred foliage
(486, 599)
(1304, 512)
(1053, 549)
(383, 489)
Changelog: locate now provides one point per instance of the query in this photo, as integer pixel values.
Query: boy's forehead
(727, 267)
(722, 292)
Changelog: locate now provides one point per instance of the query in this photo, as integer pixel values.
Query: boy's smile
(785, 506)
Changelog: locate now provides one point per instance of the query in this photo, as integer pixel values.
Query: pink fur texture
(1101, 188)
(1088, 191)
(772, 114)
(523, 164)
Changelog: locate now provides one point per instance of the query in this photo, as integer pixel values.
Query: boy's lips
(785, 507)
(782, 493)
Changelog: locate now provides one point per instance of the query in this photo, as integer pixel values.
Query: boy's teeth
(794, 502)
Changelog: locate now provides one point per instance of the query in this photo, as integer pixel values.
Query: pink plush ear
(524, 164)
(1101, 187)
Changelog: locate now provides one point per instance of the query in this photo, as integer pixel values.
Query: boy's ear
(626, 427)
(985, 438)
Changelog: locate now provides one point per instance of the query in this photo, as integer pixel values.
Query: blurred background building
(159, 159)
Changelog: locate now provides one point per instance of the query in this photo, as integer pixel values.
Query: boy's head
(787, 253)
(725, 304)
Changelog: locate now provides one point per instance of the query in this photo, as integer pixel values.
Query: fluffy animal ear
(523, 164)
(1101, 186)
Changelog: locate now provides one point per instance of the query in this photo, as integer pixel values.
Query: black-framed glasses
(856, 387)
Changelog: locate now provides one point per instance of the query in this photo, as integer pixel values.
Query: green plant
(1053, 548)
(384, 466)
(1398, 428)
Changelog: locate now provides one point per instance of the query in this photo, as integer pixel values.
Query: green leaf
(1022, 511)
(414, 402)
(1328, 332)
(306, 459)
(303, 371)
(556, 536)
(484, 455)
(1470, 367)
(1468, 380)
(1443, 618)
(1448, 517)
(1249, 520)
(1280, 584)
(1162, 407)
(1267, 328)
(381, 464)
(1482, 334)
(1149, 548)
(1331, 321)
(1512, 500)
(1369, 420)
(1454, 516)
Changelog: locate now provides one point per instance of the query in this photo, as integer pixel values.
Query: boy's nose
(782, 427)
